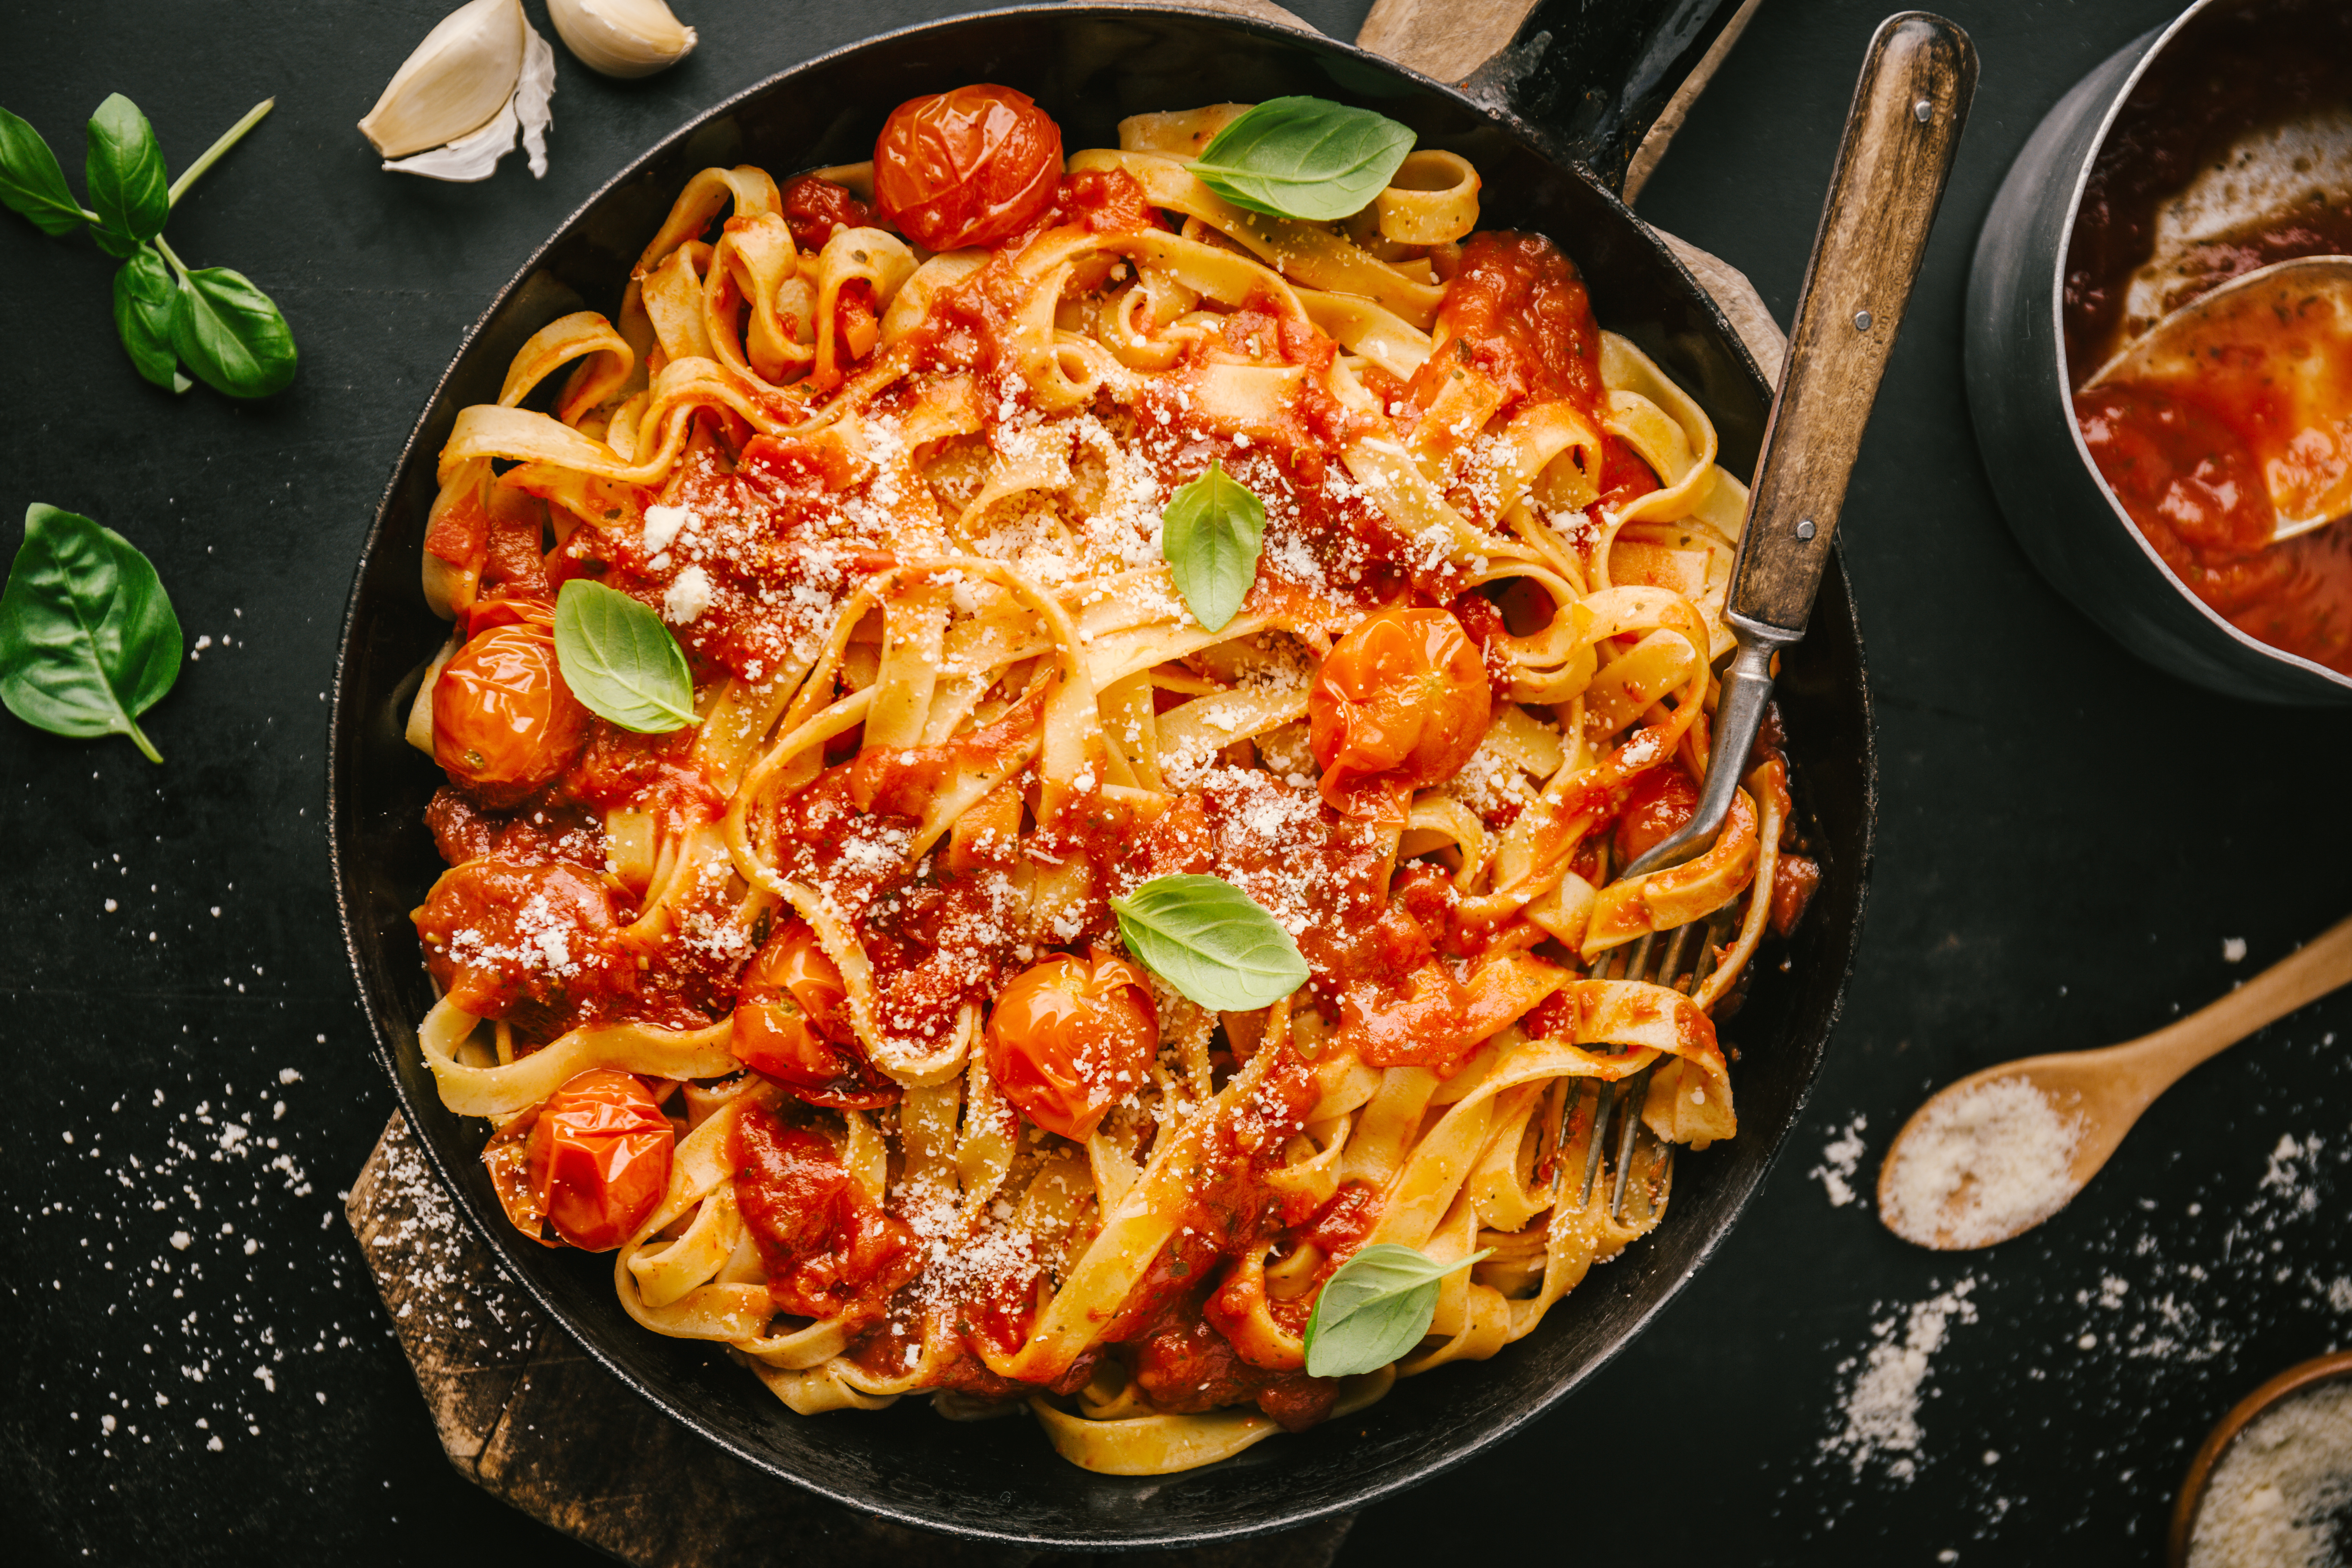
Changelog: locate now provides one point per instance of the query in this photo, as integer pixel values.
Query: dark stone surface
(2067, 839)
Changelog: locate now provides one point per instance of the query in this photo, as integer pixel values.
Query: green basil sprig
(144, 294)
(32, 184)
(1375, 1308)
(1211, 532)
(1211, 941)
(1304, 158)
(126, 178)
(87, 639)
(230, 333)
(619, 659)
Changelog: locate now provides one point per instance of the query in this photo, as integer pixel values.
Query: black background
(2067, 839)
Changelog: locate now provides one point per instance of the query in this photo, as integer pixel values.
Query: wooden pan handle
(1900, 138)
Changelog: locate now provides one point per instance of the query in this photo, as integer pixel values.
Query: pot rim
(2164, 37)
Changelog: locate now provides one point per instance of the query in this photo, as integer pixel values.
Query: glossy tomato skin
(504, 723)
(1403, 699)
(598, 1158)
(1657, 805)
(1071, 1037)
(537, 941)
(968, 167)
(792, 1023)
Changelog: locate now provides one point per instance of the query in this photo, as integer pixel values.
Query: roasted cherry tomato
(1404, 695)
(499, 935)
(504, 723)
(792, 1023)
(1657, 804)
(598, 1158)
(1070, 1038)
(968, 167)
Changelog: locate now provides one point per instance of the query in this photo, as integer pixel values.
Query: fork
(1669, 947)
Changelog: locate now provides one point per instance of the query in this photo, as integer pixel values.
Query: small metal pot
(2020, 397)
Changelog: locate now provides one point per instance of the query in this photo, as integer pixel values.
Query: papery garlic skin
(454, 83)
(532, 91)
(622, 37)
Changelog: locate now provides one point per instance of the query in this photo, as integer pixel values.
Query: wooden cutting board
(522, 1411)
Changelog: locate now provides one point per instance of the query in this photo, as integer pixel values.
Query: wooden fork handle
(2304, 975)
(1901, 135)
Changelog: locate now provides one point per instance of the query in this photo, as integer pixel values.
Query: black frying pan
(1550, 129)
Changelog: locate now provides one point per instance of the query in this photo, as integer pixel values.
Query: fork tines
(1619, 1102)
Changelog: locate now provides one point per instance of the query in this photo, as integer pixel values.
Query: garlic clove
(455, 83)
(475, 156)
(622, 37)
(469, 158)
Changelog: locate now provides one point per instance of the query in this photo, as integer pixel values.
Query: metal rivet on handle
(1862, 321)
(1805, 529)
(1923, 111)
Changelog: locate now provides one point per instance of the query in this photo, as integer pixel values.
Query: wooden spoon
(2100, 1093)
(2271, 350)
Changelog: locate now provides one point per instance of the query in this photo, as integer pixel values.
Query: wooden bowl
(2293, 1380)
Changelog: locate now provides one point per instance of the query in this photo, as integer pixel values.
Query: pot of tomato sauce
(2199, 151)
(1551, 125)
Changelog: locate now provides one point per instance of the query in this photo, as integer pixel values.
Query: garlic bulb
(455, 81)
(477, 79)
(622, 37)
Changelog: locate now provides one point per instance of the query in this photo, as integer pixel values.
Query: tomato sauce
(2227, 73)
(828, 1249)
(2184, 461)
(1519, 311)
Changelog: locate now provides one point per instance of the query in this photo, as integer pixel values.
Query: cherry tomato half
(792, 1023)
(598, 1160)
(967, 167)
(1404, 694)
(504, 723)
(1069, 1038)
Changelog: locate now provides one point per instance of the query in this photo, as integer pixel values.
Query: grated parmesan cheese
(1981, 1165)
(2281, 1485)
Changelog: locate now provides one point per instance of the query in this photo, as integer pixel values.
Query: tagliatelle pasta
(820, 1004)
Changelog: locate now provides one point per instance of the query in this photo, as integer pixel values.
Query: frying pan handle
(1586, 79)
(1900, 138)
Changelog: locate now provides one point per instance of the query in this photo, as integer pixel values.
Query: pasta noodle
(769, 1002)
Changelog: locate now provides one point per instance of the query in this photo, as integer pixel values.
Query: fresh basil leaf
(618, 659)
(87, 639)
(231, 334)
(31, 182)
(143, 291)
(1375, 1308)
(1304, 158)
(1211, 941)
(1211, 532)
(127, 184)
